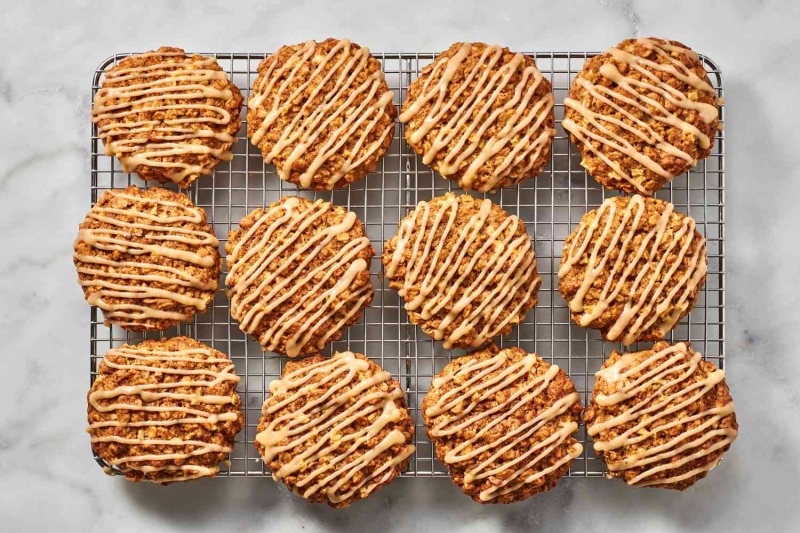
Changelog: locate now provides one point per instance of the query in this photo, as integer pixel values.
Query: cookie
(168, 116)
(632, 269)
(661, 417)
(481, 115)
(642, 113)
(321, 113)
(147, 258)
(335, 430)
(466, 269)
(503, 422)
(164, 410)
(298, 274)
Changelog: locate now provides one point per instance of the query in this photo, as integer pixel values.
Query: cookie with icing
(465, 267)
(147, 258)
(632, 269)
(503, 423)
(298, 274)
(661, 417)
(322, 113)
(335, 430)
(642, 113)
(168, 116)
(481, 115)
(164, 410)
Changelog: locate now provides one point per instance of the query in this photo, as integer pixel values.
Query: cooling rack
(550, 205)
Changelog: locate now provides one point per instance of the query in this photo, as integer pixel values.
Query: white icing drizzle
(510, 264)
(465, 133)
(324, 418)
(643, 102)
(264, 286)
(459, 403)
(652, 262)
(139, 361)
(664, 370)
(163, 229)
(329, 116)
(177, 77)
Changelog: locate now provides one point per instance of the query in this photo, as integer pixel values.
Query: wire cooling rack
(550, 205)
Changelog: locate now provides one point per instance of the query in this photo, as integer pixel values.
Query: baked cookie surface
(147, 258)
(164, 410)
(661, 417)
(168, 116)
(322, 113)
(503, 422)
(298, 274)
(466, 269)
(632, 269)
(642, 113)
(335, 430)
(481, 115)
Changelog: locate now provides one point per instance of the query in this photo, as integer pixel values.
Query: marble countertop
(48, 480)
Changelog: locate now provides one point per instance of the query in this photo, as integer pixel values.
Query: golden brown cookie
(321, 113)
(298, 274)
(661, 417)
(164, 410)
(466, 269)
(642, 113)
(147, 258)
(335, 430)
(168, 116)
(503, 422)
(632, 269)
(481, 115)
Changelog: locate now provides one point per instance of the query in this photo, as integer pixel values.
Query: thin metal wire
(550, 205)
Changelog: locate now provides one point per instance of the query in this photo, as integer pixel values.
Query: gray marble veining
(48, 480)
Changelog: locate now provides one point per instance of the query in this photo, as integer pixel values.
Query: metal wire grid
(550, 205)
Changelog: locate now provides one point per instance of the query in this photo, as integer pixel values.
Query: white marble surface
(48, 480)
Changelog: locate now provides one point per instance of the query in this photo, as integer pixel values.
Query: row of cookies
(299, 270)
(322, 113)
(337, 429)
